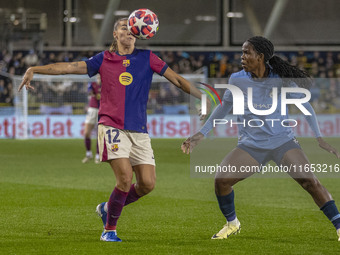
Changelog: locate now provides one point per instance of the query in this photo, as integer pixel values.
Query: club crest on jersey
(126, 62)
(125, 78)
(114, 147)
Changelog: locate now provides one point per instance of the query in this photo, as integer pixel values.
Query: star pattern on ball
(154, 26)
(140, 23)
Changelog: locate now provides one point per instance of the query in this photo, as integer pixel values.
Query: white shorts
(116, 143)
(91, 116)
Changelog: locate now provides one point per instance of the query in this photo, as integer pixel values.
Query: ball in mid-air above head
(143, 24)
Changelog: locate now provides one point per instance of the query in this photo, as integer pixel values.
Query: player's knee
(223, 183)
(146, 187)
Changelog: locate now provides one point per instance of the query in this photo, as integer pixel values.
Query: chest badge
(126, 62)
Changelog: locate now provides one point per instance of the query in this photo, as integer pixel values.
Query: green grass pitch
(48, 201)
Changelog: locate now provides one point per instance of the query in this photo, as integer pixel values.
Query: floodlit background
(48, 196)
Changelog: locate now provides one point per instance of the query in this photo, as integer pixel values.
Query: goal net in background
(57, 106)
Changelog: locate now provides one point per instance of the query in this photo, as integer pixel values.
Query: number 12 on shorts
(113, 133)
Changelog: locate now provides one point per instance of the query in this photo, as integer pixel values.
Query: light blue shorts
(263, 156)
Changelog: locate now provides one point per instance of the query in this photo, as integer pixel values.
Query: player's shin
(227, 206)
(132, 195)
(115, 206)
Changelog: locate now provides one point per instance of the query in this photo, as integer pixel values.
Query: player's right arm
(219, 112)
(53, 69)
(313, 123)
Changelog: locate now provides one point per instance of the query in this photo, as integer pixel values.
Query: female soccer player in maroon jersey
(126, 75)
(91, 120)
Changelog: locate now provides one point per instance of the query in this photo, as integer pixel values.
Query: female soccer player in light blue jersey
(262, 71)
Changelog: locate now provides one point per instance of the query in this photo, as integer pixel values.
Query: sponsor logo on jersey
(125, 78)
(126, 62)
(114, 147)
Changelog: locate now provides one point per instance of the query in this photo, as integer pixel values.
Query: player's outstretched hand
(28, 76)
(326, 146)
(190, 143)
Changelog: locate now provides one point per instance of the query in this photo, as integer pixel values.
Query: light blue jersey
(260, 131)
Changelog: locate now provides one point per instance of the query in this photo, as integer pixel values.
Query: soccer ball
(143, 24)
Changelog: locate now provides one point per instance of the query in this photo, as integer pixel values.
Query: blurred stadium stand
(205, 39)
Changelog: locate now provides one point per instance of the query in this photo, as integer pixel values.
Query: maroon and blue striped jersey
(126, 82)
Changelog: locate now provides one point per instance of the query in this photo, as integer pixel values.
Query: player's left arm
(182, 83)
(160, 67)
(187, 87)
(313, 123)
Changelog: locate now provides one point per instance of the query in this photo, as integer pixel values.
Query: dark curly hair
(280, 66)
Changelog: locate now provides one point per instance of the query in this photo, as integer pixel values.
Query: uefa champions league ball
(143, 24)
